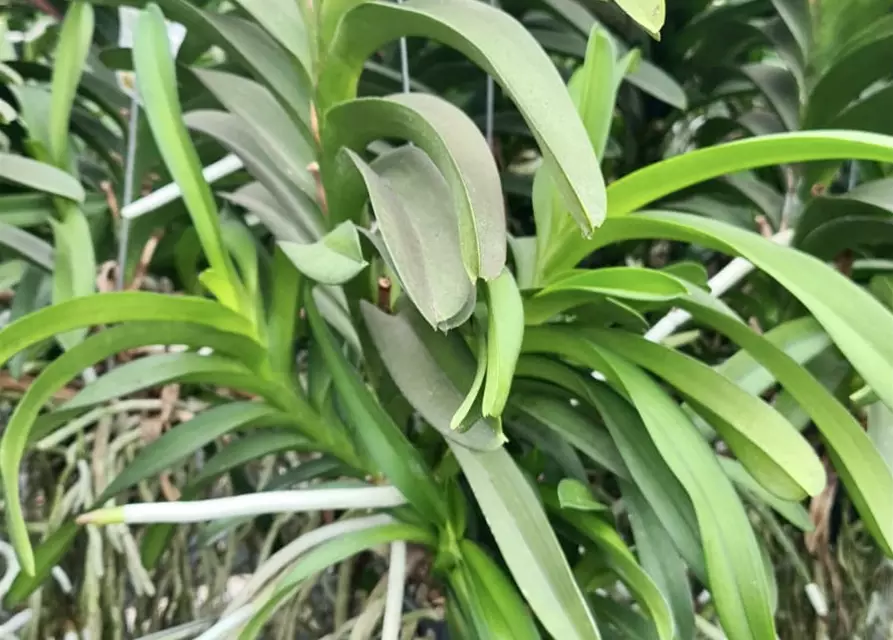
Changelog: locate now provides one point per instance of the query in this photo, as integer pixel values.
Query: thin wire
(490, 100)
(404, 61)
(129, 168)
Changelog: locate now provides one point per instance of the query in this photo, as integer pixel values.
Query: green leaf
(880, 430)
(660, 560)
(75, 39)
(410, 200)
(158, 87)
(54, 377)
(802, 339)
(573, 494)
(503, 48)
(165, 368)
(27, 245)
(793, 512)
(288, 143)
(282, 19)
(647, 469)
(648, 13)
(329, 553)
(128, 306)
(527, 543)
(633, 283)
(505, 332)
(570, 424)
(48, 555)
(295, 214)
(735, 569)
(498, 593)
(184, 440)
(587, 88)
(859, 327)
(459, 419)
(621, 560)
(772, 450)
(379, 437)
(75, 271)
(420, 362)
(457, 148)
(40, 176)
(335, 259)
(663, 178)
(868, 480)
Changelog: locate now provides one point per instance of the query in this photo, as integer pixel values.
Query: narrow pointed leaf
(380, 438)
(860, 328)
(621, 560)
(75, 38)
(774, 452)
(39, 176)
(735, 568)
(504, 598)
(158, 88)
(527, 542)
(505, 333)
(660, 559)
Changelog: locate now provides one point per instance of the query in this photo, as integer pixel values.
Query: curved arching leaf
(457, 148)
(773, 451)
(502, 47)
(40, 176)
(860, 328)
(737, 577)
(56, 375)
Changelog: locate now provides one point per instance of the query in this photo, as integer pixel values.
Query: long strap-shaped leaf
(664, 178)
(867, 478)
(859, 325)
(380, 437)
(158, 87)
(40, 176)
(503, 48)
(772, 450)
(735, 568)
(55, 376)
(527, 542)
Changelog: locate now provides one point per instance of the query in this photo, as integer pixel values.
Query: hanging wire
(490, 104)
(404, 61)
